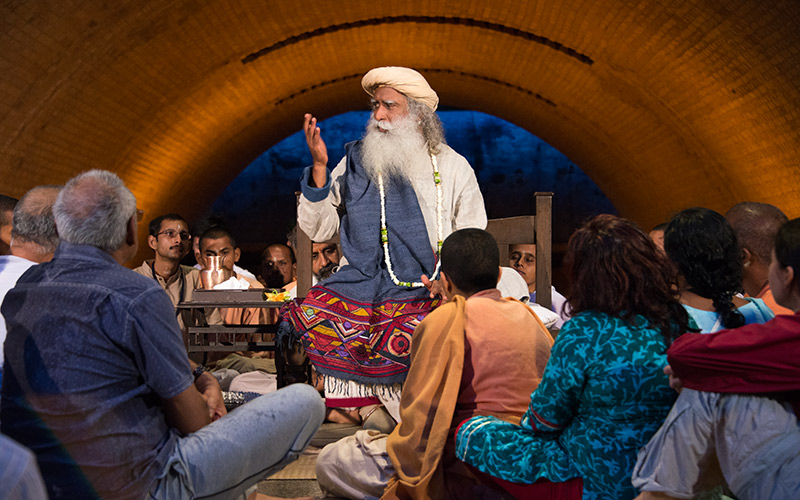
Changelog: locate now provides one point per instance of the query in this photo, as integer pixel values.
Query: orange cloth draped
(429, 406)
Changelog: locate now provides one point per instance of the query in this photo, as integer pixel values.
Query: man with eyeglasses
(170, 239)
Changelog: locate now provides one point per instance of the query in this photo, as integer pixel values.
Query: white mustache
(384, 125)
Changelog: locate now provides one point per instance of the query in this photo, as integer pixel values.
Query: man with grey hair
(397, 194)
(756, 225)
(98, 384)
(33, 241)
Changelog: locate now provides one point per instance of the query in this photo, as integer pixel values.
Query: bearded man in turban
(395, 196)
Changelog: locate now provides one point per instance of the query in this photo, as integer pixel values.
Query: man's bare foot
(342, 416)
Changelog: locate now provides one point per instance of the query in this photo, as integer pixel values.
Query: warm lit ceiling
(664, 104)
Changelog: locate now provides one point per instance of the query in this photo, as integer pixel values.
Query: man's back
(505, 352)
(91, 348)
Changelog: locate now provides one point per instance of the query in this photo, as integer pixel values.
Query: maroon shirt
(756, 359)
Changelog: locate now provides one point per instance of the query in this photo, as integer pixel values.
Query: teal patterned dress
(602, 397)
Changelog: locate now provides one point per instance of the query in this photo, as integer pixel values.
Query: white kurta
(462, 202)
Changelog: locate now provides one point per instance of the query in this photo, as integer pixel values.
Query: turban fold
(404, 80)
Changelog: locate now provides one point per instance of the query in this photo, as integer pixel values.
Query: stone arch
(664, 106)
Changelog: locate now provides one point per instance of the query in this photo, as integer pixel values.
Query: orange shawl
(428, 403)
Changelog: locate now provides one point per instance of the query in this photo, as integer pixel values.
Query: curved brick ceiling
(664, 105)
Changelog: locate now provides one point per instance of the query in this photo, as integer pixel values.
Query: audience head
(7, 204)
(703, 246)
(95, 208)
(523, 259)
(217, 241)
(169, 237)
(615, 268)
(324, 259)
(201, 226)
(278, 265)
(756, 225)
(34, 229)
(470, 262)
(657, 235)
(785, 266)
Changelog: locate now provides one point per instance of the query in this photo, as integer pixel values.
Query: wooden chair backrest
(531, 230)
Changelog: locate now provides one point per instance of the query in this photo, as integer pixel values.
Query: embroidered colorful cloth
(356, 340)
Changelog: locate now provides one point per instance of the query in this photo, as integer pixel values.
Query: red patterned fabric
(358, 341)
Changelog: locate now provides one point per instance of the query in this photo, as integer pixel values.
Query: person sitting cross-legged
(603, 393)
(478, 354)
(97, 382)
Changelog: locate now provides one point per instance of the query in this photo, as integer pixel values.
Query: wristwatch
(199, 371)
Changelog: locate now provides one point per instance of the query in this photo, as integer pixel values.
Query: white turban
(404, 80)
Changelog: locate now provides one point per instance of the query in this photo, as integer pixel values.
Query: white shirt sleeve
(320, 219)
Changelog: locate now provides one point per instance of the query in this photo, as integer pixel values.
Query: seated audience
(523, 259)
(721, 431)
(279, 268)
(97, 382)
(7, 204)
(478, 354)
(33, 241)
(756, 225)
(703, 246)
(512, 284)
(170, 240)
(200, 227)
(603, 393)
(217, 241)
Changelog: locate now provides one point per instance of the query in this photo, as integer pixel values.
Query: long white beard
(397, 152)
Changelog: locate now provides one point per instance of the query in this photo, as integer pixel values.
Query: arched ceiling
(664, 104)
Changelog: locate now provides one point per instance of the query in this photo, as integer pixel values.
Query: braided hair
(704, 248)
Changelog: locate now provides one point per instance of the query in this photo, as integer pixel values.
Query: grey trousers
(751, 443)
(355, 467)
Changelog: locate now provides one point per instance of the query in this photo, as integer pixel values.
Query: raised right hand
(317, 147)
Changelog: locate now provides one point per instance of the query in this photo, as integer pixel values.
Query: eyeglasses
(139, 215)
(171, 233)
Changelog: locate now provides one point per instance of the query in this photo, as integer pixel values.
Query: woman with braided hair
(703, 246)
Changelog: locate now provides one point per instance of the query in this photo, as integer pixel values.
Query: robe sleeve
(468, 208)
(754, 358)
(555, 400)
(317, 211)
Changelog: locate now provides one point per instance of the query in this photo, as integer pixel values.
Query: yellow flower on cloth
(276, 295)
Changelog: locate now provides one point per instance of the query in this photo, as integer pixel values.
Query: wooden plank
(544, 248)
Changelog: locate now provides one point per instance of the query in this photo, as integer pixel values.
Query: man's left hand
(435, 287)
(209, 388)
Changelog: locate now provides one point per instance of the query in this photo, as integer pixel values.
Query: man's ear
(499, 274)
(447, 285)
(747, 257)
(236, 254)
(131, 233)
(152, 242)
(788, 275)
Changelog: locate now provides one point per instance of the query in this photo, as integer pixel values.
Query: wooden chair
(530, 230)
(526, 229)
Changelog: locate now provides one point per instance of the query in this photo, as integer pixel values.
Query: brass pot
(214, 273)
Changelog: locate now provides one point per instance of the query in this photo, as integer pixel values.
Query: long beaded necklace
(437, 179)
